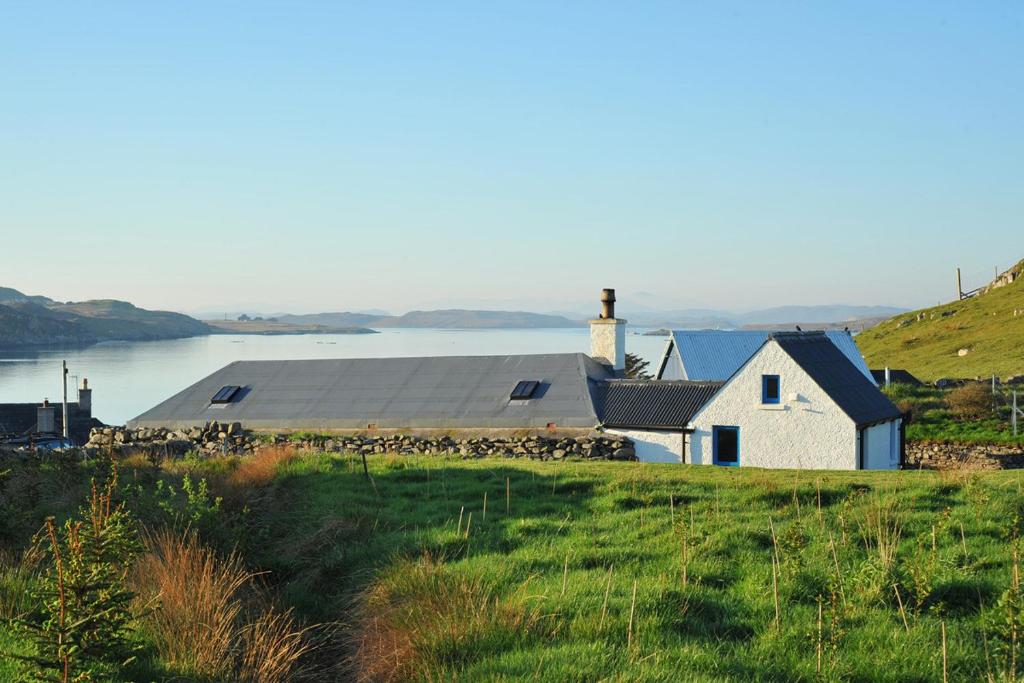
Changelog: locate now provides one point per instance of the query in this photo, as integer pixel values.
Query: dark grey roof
(392, 393)
(653, 403)
(842, 381)
(896, 376)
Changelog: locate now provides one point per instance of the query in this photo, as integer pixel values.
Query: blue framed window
(771, 389)
(726, 446)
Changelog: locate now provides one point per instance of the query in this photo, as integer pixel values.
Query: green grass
(932, 420)
(985, 325)
(522, 594)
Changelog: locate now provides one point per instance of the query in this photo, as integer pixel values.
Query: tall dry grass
(260, 468)
(18, 572)
(205, 617)
(881, 528)
(422, 612)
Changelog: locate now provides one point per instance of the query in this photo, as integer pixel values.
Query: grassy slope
(492, 606)
(984, 324)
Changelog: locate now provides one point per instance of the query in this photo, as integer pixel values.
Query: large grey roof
(860, 399)
(715, 355)
(656, 404)
(440, 392)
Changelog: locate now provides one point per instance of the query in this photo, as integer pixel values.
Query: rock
(624, 453)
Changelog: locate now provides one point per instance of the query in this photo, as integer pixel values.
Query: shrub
(80, 625)
(970, 402)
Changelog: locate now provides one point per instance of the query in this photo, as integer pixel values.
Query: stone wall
(230, 438)
(935, 455)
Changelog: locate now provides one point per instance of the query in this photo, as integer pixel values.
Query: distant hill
(39, 321)
(818, 315)
(987, 328)
(276, 327)
(455, 318)
(8, 295)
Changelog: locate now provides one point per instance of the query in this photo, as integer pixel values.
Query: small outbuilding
(654, 414)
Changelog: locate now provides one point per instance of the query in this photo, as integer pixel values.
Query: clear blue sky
(305, 156)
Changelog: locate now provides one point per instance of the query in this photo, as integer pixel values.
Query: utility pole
(64, 381)
(959, 286)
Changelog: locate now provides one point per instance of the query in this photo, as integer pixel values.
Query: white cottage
(796, 402)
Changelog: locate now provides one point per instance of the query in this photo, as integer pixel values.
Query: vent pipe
(64, 414)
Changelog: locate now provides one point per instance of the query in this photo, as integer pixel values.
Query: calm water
(131, 377)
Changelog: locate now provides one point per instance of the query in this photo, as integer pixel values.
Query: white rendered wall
(654, 446)
(882, 446)
(810, 432)
(608, 341)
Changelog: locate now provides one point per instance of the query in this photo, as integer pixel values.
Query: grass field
(989, 326)
(600, 571)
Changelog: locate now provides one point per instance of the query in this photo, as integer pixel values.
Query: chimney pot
(607, 303)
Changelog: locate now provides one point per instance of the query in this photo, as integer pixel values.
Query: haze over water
(131, 377)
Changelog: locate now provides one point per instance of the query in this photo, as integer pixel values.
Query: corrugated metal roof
(715, 355)
(653, 403)
(442, 392)
(860, 399)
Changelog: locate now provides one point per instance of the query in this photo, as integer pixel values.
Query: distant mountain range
(460, 318)
(37, 320)
(445, 319)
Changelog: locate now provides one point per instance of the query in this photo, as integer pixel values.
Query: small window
(225, 395)
(770, 389)
(726, 445)
(524, 390)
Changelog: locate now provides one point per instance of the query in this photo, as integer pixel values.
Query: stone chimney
(608, 334)
(85, 399)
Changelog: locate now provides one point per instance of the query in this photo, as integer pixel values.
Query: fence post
(1014, 413)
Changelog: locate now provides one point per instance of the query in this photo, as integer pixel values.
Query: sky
(304, 156)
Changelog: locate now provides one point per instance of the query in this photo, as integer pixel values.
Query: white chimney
(608, 334)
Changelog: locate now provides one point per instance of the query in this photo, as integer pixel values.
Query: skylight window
(524, 390)
(225, 394)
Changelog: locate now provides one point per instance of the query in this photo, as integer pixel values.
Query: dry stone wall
(935, 455)
(231, 438)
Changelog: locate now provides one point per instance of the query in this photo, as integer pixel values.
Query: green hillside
(989, 326)
(34, 321)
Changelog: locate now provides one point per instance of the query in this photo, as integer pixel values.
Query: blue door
(726, 446)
